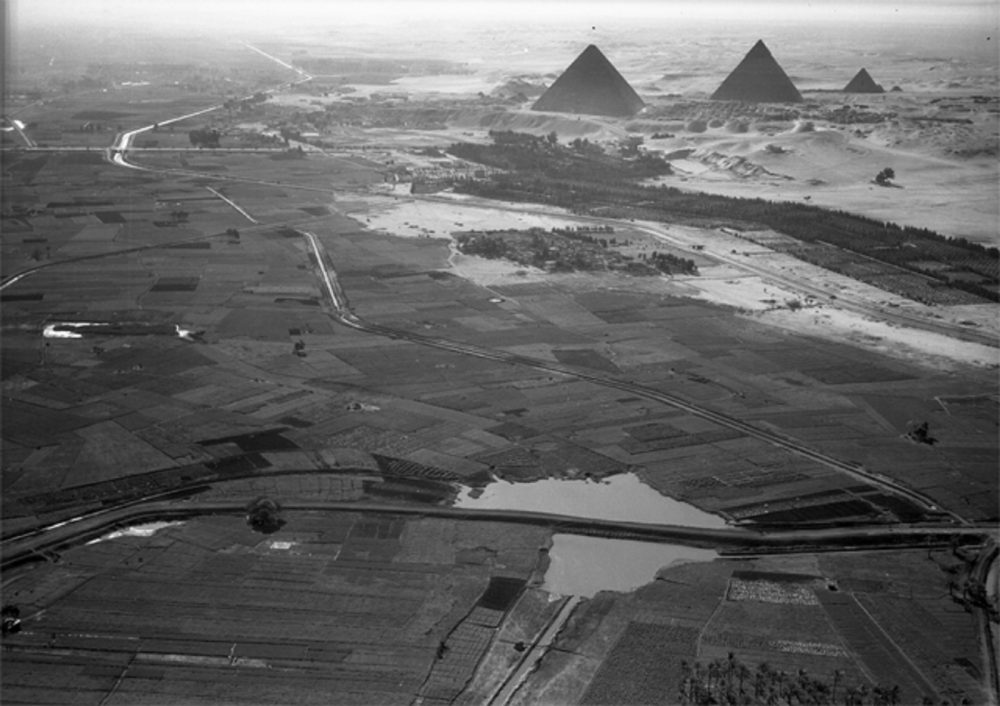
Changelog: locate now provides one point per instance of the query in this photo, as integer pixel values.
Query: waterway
(621, 497)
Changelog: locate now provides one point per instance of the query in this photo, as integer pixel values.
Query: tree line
(537, 170)
(732, 683)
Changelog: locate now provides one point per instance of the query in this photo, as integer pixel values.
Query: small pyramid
(863, 83)
(592, 86)
(758, 79)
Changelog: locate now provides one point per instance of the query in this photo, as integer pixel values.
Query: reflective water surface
(583, 566)
(622, 497)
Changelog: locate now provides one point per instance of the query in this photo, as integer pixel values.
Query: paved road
(123, 141)
(39, 542)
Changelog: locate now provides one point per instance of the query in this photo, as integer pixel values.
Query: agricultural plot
(629, 648)
(374, 625)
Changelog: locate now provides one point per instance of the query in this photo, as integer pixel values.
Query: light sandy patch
(835, 169)
(444, 83)
(413, 217)
(922, 347)
(785, 275)
(492, 273)
(730, 287)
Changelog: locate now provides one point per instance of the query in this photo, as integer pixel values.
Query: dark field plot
(644, 665)
(255, 441)
(98, 115)
(852, 373)
(501, 593)
(585, 358)
(110, 217)
(175, 284)
(830, 512)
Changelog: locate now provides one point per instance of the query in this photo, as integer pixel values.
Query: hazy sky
(265, 13)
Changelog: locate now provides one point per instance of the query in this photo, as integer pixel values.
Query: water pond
(621, 497)
(583, 566)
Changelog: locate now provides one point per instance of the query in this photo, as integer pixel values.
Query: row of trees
(580, 160)
(731, 682)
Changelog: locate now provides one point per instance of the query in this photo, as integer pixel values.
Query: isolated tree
(263, 515)
(552, 137)
(885, 177)
(920, 432)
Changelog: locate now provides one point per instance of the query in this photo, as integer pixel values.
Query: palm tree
(862, 694)
(742, 673)
(685, 687)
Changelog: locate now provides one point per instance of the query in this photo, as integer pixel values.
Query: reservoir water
(621, 497)
(583, 566)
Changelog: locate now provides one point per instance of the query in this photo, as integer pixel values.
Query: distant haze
(267, 15)
(491, 30)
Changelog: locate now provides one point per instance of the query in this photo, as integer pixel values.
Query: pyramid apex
(863, 83)
(759, 50)
(592, 52)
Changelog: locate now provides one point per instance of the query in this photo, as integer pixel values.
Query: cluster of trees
(729, 681)
(670, 264)
(566, 250)
(246, 103)
(204, 137)
(545, 156)
(537, 248)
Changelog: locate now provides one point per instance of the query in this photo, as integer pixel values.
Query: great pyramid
(758, 79)
(592, 86)
(863, 83)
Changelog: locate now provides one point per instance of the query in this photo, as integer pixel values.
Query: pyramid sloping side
(758, 79)
(863, 83)
(591, 86)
